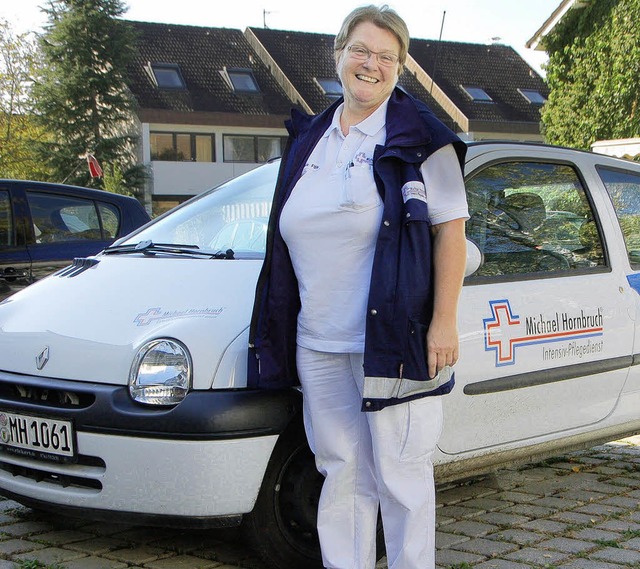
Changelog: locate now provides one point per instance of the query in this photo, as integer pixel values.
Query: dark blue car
(44, 226)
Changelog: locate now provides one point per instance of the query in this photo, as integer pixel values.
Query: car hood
(88, 321)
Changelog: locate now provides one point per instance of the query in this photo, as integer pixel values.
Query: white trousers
(369, 459)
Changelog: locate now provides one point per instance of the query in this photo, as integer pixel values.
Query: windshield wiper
(148, 247)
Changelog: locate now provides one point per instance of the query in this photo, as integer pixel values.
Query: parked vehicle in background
(123, 388)
(44, 226)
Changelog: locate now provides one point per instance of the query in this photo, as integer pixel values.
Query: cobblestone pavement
(580, 511)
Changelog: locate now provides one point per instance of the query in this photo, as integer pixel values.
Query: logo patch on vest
(414, 191)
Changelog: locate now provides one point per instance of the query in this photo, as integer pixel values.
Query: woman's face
(365, 82)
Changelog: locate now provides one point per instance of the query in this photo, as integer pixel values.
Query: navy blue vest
(400, 299)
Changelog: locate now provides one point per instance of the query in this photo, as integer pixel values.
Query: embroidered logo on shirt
(309, 167)
(362, 159)
(414, 191)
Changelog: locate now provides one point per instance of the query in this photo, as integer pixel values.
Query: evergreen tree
(82, 97)
(594, 74)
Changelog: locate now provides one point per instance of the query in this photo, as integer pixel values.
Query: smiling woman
(355, 213)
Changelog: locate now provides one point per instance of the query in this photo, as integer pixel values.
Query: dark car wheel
(282, 526)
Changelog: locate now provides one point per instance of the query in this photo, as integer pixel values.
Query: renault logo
(42, 358)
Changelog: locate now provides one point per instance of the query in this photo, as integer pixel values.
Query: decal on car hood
(505, 331)
(157, 314)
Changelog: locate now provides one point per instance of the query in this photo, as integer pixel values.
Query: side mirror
(474, 258)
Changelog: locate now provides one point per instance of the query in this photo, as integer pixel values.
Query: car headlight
(161, 373)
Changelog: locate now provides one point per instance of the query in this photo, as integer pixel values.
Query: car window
(233, 216)
(6, 221)
(623, 188)
(63, 218)
(532, 217)
(110, 220)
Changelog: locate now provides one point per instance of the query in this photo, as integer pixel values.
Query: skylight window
(167, 76)
(331, 87)
(477, 94)
(533, 96)
(242, 80)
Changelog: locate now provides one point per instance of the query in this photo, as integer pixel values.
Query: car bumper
(200, 462)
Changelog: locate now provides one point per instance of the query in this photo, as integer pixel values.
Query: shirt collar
(335, 123)
(369, 126)
(375, 121)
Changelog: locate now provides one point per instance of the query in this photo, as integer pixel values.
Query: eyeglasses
(361, 53)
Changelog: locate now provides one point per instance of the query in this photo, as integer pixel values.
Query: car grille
(56, 398)
(85, 474)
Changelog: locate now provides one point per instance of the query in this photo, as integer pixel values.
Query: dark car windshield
(232, 216)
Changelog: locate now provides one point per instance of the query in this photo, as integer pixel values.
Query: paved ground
(581, 511)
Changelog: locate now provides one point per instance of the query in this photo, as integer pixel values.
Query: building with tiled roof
(212, 101)
(489, 90)
(305, 65)
(209, 108)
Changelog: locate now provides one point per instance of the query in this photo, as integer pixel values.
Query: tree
(19, 131)
(594, 74)
(82, 96)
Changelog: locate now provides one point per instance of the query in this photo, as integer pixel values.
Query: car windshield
(232, 216)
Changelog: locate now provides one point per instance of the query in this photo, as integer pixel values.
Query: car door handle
(10, 273)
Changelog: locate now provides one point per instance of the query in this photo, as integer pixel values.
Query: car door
(66, 226)
(15, 264)
(546, 326)
(623, 188)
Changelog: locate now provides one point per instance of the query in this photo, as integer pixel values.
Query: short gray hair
(383, 17)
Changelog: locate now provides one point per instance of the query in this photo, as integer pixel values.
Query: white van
(123, 377)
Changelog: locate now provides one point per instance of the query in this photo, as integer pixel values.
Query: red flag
(94, 166)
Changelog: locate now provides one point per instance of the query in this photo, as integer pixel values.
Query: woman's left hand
(442, 346)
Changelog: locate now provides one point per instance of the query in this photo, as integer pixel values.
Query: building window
(167, 76)
(163, 203)
(534, 97)
(329, 87)
(241, 80)
(182, 147)
(477, 94)
(256, 149)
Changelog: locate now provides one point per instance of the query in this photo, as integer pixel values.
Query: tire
(282, 526)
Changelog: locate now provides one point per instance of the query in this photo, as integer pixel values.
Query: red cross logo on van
(497, 334)
(505, 331)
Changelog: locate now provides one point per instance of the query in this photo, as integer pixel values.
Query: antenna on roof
(435, 61)
(264, 18)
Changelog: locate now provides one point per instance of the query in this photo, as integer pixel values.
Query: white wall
(621, 148)
(191, 178)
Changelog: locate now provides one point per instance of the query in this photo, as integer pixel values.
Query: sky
(510, 22)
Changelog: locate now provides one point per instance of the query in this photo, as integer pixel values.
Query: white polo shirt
(330, 225)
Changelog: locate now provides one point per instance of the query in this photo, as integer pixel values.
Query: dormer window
(241, 80)
(167, 76)
(330, 87)
(534, 97)
(477, 94)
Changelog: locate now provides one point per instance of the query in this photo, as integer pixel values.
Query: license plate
(40, 437)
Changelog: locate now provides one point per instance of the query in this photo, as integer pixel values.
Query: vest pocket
(415, 358)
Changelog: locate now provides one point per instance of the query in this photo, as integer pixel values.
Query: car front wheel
(282, 526)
